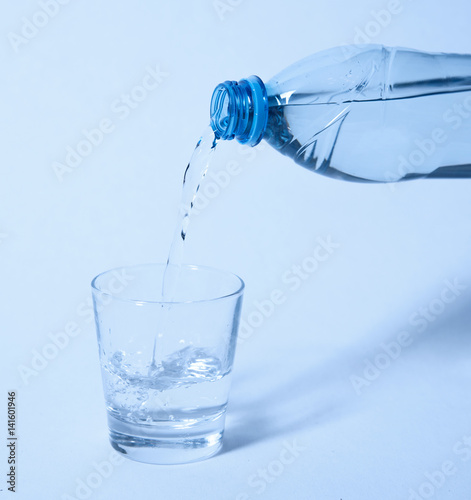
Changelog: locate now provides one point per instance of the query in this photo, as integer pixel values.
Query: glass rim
(193, 267)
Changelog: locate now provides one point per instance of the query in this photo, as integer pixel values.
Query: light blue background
(293, 375)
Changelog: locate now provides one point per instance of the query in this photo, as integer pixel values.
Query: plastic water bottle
(360, 113)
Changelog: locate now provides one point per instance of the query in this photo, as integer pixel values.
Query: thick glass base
(167, 443)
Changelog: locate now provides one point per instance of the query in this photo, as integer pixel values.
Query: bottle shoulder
(334, 74)
(369, 72)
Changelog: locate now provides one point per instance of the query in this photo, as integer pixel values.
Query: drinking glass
(166, 365)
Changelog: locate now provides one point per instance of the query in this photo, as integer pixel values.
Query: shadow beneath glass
(323, 393)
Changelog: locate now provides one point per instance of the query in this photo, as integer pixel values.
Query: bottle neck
(240, 110)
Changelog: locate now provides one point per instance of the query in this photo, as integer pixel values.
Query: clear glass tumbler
(166, 366)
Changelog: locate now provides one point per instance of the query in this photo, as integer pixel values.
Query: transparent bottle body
(374, 114)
